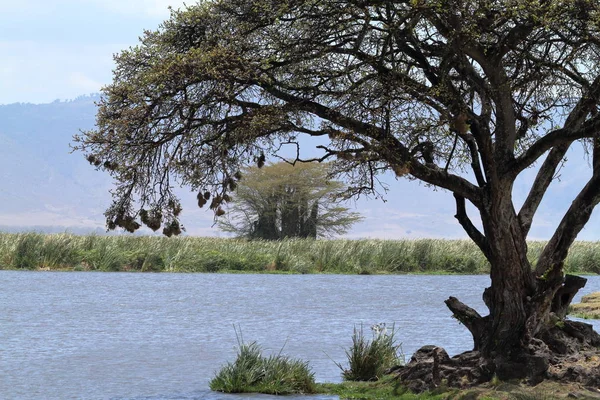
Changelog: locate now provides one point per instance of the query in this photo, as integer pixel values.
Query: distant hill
(43, 187)
(42, 183)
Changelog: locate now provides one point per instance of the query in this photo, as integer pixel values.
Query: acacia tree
(463, 95)
(284, 200)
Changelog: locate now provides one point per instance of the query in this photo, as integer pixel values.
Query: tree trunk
(525, 335)
(509, 298)
(265, 227)
(560, 349)
(309, 225)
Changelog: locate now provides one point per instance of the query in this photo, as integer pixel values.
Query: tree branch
(565, 294)
(391, 148)
(540, 185)
(576, 127)
(572, 223)
(554, 138)
(472, 231)
(471, 143)
(470, 318)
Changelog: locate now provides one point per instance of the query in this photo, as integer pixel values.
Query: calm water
(163, 336)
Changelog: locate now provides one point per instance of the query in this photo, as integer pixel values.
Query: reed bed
(209, 254)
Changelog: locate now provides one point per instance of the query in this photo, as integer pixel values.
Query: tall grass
(368, 360)
(205, 254)
(251, 372)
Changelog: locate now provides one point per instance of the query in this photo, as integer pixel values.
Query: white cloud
(39, 73)
(48, 218)
(6, 71)
(152, 8)
(51, 64)
(84, 83)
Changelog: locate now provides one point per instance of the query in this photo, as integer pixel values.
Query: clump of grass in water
(368, 360)
(251, 372)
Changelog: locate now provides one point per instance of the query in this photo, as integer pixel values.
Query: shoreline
(262, 272)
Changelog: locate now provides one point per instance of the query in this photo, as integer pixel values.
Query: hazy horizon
(55, 52)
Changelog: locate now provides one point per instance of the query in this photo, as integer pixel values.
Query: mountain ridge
(47, 187)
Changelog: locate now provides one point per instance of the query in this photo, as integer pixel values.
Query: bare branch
(571, 224)
(540, 185)
(470, 318)
(557, 137)
(472, 231)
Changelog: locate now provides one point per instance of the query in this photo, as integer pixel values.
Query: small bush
(245, 372)
(368, 360)
(253, 373)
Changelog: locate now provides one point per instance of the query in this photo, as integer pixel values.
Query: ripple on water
(163, 336)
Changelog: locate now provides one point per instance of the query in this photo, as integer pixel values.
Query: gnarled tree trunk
(525, 335)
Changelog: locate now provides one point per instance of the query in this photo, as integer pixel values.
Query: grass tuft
(369, 360)
(251, 372)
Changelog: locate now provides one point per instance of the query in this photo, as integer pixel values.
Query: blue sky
(61, 49)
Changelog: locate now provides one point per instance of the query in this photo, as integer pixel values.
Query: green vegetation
(205, 254)
(251, 372)
(284, 201)
(463, 96)
(369, 360)
(388, 388)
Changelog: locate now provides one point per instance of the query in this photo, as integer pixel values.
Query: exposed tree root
(569, 352)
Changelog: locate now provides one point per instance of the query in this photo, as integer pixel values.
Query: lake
(87, 335)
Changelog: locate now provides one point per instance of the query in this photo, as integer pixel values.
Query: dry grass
(589, 308)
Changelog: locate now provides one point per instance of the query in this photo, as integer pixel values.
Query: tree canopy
(284, 200)
(463, 95)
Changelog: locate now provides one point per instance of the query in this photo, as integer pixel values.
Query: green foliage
(583, 257)
(369, 360)
(225, 84)
(285, 201)
(251, 372)
(205, 254)
(246, 371)
(387, 388)
(27, 251)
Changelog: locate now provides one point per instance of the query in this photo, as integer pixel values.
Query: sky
(61, 49)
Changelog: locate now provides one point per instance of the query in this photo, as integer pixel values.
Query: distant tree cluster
(282, 200)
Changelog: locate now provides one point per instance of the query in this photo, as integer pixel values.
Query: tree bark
(564, 345)
(523, 307)
(511, 276)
